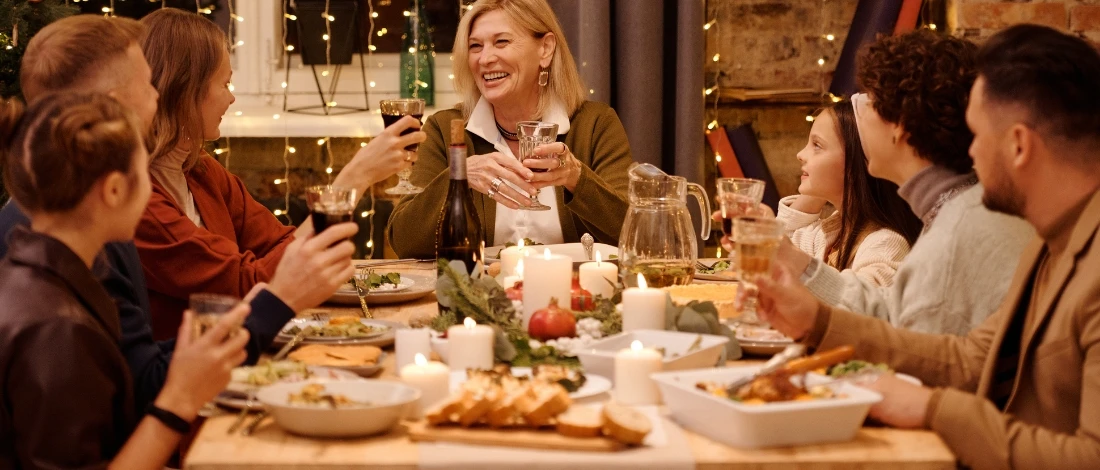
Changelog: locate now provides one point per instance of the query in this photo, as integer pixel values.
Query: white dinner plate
(420, 286)
(381, 340)
(593, 385)
(235, 395)
(727, 275)
(572, 250)
(405, 284)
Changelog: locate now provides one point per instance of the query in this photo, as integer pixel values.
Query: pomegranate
(552, 322)
(583, 301)
(515, 292)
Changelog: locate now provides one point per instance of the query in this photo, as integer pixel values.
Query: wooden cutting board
(547, 439)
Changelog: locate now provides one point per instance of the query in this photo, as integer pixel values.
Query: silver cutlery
(248, 430)
(391, 262)
(775, 363)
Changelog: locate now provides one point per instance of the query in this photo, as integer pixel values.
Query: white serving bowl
(766, 425)
(388, 404)
(599, 357)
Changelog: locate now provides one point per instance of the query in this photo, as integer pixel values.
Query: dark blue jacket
(125, 282)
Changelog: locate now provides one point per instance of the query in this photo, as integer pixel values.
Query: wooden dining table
(271, 448)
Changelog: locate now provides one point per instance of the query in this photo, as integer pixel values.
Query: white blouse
(513, 225)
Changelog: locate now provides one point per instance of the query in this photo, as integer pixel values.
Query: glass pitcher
(658, 239)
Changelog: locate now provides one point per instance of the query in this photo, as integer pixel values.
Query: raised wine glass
(531, 135)
(757, 244)
(393, 111)
(330, 205)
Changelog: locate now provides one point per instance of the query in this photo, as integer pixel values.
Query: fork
(364, 272)
(247, 431)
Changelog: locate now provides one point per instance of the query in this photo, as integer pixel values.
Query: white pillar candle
(409, 342)
(509, 257)
(598, 277)
(644, 308)
(545, 277)
(433, 379)
(632, 369)
(470, 346)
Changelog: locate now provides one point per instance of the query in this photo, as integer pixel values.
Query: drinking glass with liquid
(757, 244)
(330, 205)
(738, 197)
(393, 111)
(532, 134)
(208, 310)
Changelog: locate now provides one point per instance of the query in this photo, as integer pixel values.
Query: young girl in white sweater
(871, 229)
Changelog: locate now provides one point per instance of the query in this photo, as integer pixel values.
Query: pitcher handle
(704, 205)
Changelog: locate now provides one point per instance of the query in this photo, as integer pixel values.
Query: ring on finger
(492, 193)
(408, 157)
(561, 161)
(496, 183)
(564, 149)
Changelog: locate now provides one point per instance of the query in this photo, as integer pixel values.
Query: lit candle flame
(469, 323)
(519, 269)
(641, 282)
(420, 360)
(599, 258)
(546, 253)
(636, 346)
(520, 244)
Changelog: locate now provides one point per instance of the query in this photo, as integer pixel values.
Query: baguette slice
(546, 403)
(625, 424)
(446, 411)
(476, 405)
(580, 421)
(505, 413)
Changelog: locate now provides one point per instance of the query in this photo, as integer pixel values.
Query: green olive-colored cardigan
(597, 206)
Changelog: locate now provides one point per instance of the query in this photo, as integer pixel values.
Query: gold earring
(544, 78)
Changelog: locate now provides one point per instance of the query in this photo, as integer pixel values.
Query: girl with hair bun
(77, 165)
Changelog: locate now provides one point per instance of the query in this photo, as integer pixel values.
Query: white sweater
(955, 276)
(875, 259)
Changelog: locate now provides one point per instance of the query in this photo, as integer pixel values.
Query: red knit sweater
(240, 245)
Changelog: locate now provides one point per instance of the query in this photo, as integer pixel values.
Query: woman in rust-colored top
(76, 164)
(202, 231)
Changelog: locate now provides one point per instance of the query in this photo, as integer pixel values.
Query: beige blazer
(1052, 419)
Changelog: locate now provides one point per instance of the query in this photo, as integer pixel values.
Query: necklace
(513, 136)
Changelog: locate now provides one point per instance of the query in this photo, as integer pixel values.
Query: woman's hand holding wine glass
(487, 174)
(559, 166)
(384, 156)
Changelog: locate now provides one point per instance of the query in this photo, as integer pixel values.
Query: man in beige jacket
(1023, 389)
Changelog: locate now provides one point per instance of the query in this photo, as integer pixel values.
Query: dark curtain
(645, 59)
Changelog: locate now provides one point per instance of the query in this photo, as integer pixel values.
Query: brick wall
(775, 44)
(981, 18)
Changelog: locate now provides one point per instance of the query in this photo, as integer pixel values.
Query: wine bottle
(458, 236)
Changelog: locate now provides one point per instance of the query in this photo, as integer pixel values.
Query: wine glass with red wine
(531, 135)
(393, 111)
(330, 205)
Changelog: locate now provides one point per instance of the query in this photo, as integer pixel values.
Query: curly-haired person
(912, 122)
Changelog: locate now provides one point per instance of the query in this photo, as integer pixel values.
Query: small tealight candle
(633, 366)
(409, 342)
(510, 257)
(599, 278)
(470, 346)
(433, 379)
(545, 277)
(644, 308)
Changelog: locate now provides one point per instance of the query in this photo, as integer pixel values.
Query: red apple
(552, 322)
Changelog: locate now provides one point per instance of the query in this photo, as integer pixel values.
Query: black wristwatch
(168, 418)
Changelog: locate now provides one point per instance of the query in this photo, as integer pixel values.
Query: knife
(775, 363)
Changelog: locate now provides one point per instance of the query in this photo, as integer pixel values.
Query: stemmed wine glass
(531, 135)
(393, 111)
(757, 244)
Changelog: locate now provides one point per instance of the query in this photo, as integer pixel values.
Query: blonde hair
(533, 17)
(71, 52)
(181, 48)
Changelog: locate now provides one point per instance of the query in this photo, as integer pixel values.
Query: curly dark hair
(921, 80)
